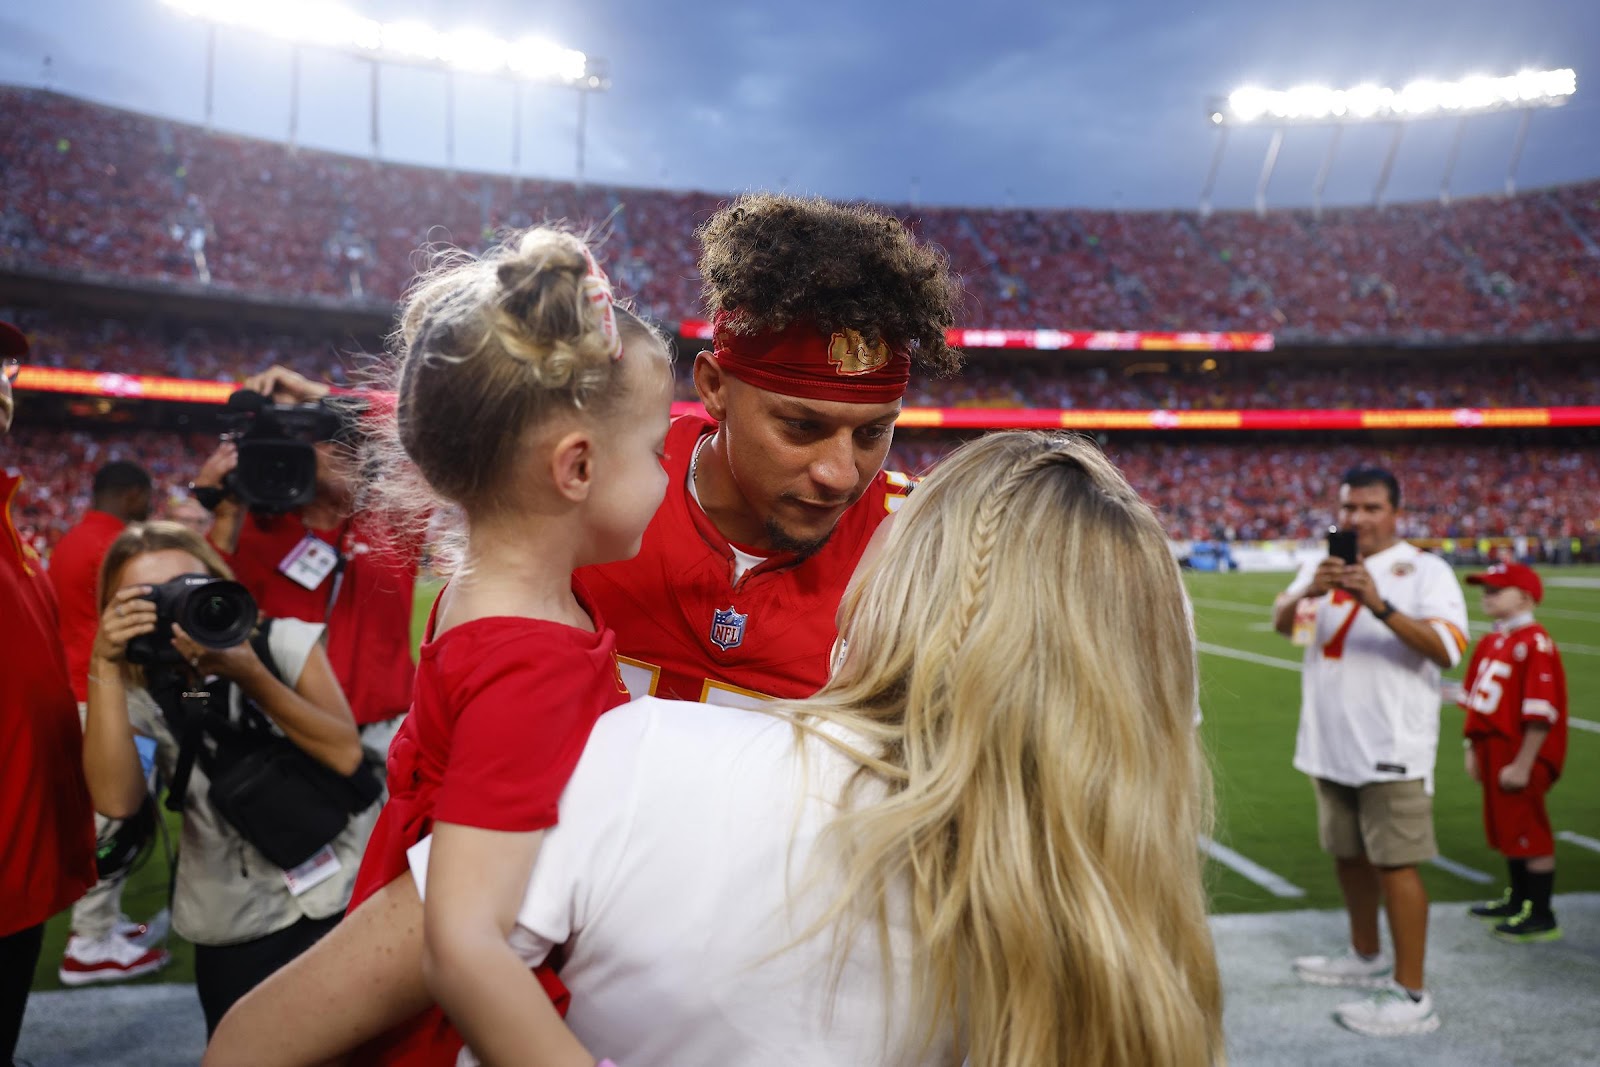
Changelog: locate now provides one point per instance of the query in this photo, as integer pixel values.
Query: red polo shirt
(369, 626)
(46, 822)
(75, 573)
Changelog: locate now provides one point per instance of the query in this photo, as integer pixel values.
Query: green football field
(1265, 808)
(1266, 815)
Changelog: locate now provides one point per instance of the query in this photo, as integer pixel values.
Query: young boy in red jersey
(1516, 729)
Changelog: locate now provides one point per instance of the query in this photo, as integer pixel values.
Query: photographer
(323, 560)
(267, 699)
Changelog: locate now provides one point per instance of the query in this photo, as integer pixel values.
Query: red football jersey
(1515, 677)
(686, 630)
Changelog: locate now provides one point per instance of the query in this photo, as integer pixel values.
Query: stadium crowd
(247, 216)
(1202, 491)
(228, 352)
(1249, 492)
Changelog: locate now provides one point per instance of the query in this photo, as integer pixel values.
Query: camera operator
(267, 710)
(324, 561)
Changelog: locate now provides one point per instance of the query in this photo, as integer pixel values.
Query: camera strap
(190, 727)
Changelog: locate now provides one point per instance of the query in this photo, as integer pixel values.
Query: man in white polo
(1377, 633)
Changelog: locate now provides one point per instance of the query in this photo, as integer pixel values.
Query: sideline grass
(1265, 808)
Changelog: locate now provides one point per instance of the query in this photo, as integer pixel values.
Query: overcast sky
(980, 102)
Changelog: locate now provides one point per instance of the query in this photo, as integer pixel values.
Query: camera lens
(217, 614)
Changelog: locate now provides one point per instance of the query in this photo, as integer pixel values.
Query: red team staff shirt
(1516, 678)
(75, 573)
(46, 823)
(502, 710)
(369, 626)
(687, 630)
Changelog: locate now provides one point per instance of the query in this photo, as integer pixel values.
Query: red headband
(802, 362)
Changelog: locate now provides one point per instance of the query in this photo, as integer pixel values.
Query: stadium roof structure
(1316, 105)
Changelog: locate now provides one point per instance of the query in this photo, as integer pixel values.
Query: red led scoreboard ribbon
(180, 390)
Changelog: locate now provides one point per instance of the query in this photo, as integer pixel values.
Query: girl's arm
(314, 714)
(110, 760)
(361, 980)
(476, 882)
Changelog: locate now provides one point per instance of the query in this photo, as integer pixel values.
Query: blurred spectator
(48, 858)
(104, 946)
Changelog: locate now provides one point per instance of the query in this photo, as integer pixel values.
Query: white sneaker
(147, 934)
(111, 959)
(1345, 970)
(1389, 1012)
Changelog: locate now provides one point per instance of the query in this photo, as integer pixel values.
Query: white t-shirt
(677, 878)
(1369, 704)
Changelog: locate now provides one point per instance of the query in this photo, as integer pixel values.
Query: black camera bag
(278, 798)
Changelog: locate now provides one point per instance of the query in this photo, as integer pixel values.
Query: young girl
(535, 406)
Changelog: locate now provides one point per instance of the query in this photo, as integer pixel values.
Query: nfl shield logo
(727, 628)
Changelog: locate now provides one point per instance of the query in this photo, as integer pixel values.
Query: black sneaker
(1497, 910)
(1528, 927)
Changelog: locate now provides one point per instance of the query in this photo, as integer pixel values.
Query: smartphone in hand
(1342, 544)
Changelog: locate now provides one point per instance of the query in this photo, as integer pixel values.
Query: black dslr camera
(214, 612)
(277, 469)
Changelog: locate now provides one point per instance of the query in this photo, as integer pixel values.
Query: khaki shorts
(1391, 823)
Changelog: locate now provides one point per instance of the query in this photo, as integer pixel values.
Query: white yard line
(1248, 657)
(1563, 613)
(1292, 665)
(1232, 605)
(1461, 870)
(1581, 840)
(1275, 884)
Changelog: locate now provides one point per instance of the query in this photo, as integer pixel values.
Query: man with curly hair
(818, 312)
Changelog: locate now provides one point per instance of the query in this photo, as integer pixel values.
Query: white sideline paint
(1581, 840)
(1292, 665)
(1275, 884)
(1248, 657)
(1232, 605)
(1461, 870)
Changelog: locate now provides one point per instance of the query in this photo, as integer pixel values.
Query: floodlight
(404, 41)
(1422, 98)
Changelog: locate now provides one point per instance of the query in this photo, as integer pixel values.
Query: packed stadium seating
(238, 215)
(1202, 490)
(229, 353)
(1251, 492)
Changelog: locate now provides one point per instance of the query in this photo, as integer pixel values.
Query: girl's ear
(572, 465)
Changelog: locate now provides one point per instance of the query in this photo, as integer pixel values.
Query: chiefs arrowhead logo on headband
(803, 361)
(851, 354)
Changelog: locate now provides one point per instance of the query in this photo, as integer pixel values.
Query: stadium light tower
(409, 43)
(1314, 105)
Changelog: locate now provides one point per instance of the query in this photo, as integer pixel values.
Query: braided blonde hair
(1021, 665)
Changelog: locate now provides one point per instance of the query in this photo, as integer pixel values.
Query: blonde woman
(978, 840)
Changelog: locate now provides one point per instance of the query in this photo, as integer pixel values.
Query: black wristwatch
(209, 497)
(1388, 609)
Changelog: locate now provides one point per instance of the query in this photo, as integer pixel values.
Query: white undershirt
(742, 561)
